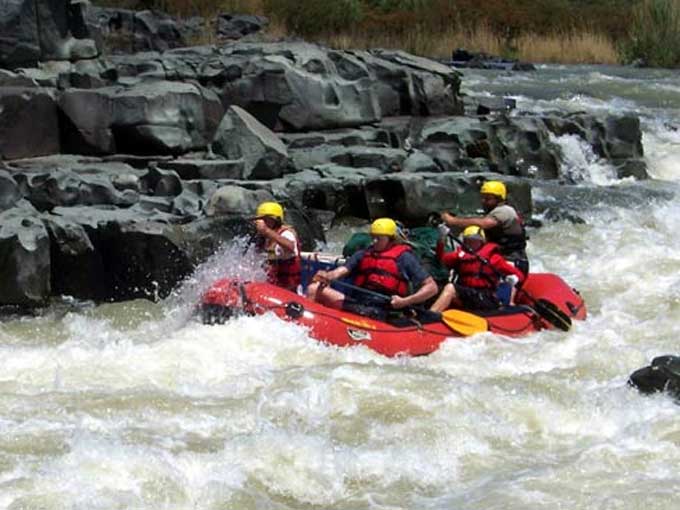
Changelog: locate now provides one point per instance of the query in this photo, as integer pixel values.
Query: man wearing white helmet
(502, 224)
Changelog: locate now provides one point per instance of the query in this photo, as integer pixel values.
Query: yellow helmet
(270, 209)
(494, 188)
(384, 227)
(473, 231)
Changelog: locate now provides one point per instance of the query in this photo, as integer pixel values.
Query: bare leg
(325, 295)
(443, 302)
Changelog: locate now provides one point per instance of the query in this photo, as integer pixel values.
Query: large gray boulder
(24, 257)
(77, 267)
(127, 31)
(411, 85)
(31, 31)
(9, 191)
(29, 123)
(290, 86)
(236, 26)
(241, 137)
(235, 201)
(155, 117)
(328, 187)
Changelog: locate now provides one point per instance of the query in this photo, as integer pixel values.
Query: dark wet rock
(148, 118)
(558, 214)
(164, 183)
(635, 168)
(10, 79)
(25, 256)
(45, 30)
(462, 58)
(240, 136)
(76, 266)
(85, 74)
(131, 258)
(662, 375)
(489, 105)
(358, 157)
(29, 123)
(189, 169)
(9, 191)
(126, 31)
(236, 26)
(612, 137)
(414, 197)
(525, 148)
(329, 187)
(59, 187)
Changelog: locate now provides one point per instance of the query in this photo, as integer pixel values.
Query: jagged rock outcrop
(156, 117)
(29, 122)
(24, 257)
(33, 31)
(240, 137)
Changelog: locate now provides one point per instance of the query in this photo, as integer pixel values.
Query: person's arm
(485, 222)
(416, 273)
(427, 289)
(263, 229)
(351, 263)
(506, 268)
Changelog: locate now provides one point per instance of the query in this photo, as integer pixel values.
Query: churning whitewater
(139, 405)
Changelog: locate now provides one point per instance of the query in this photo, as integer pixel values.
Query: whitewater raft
(415, 334)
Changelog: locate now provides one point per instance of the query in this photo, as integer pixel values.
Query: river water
(136, 405)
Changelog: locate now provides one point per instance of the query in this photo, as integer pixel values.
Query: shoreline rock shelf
(120, 173)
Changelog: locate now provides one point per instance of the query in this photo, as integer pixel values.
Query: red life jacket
(286, 273)
(379, 271)
(476, 273)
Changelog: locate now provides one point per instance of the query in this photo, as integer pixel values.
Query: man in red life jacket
(502, 224)
(387, 267)
(479, 266)
(281, 244)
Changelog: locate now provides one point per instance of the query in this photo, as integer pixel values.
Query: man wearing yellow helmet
(479, 267)
(281, 244)
(502, 224)
(388, 267)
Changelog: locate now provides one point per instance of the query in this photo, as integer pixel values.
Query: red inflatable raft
(414, 336)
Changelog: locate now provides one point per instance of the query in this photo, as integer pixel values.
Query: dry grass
(576, 48)
(419, 41)
(585, 47)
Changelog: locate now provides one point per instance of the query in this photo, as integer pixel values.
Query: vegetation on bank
(568, 31)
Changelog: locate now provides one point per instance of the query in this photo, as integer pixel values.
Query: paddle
(459, 321)
(547, 310)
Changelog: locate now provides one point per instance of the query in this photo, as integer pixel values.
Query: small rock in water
(662, 375)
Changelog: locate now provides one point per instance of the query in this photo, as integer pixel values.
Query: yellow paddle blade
(465, 323)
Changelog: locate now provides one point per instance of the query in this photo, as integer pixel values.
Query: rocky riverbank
(120, 172)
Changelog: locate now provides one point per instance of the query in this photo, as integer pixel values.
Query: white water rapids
(132, 405)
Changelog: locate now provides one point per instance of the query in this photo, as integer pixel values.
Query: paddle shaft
(464, 322)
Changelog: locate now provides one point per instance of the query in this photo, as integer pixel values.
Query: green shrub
(654, 35)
